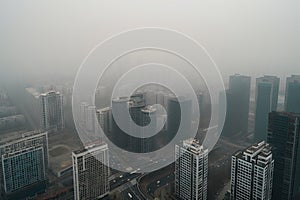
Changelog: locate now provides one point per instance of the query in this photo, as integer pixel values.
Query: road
(132, 193)
(152, 187)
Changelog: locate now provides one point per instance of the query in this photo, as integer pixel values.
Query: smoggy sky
(251, 37)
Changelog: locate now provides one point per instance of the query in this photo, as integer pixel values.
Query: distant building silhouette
(105, 119)
(283, 136)
(52, 115)
(191, 170)
(238, 97)
(148, 143)
(118, 136)
(266, 99)
(24, 161)
(91, 172)
(177, 118)
(252, 173)
(140, 114)
(292, 94)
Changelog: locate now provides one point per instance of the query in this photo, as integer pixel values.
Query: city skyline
(150, 100)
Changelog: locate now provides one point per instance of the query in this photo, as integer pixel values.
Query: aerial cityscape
(154, 110)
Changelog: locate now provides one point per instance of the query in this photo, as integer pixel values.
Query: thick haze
(243, 36)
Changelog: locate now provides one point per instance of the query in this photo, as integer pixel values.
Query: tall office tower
(238, 97)
(252, 173)
(91, 172)
(83, 113)
(118, 136)
(91, 119)
(136, 103)
(104, 119)
(205, 110)
(88, 117)
(292, 94)
(148, 143)
(283, 136)
(266, 98)
(176, 118)
(239, 87)
(24, 160)
(191, 170)
(52, 116)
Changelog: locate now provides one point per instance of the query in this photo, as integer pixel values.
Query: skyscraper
(252, 173)
(24, 160)
(238, 97)
(118, 136)
(140, 115)
(266, 98)
(52, 116)
(148, 143)
(91, 172)
(175, 117)
(292, 94)
(283, 136)
(105, 119)
(91, 119)
(191, 170)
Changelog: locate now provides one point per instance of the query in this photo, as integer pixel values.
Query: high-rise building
(91, 118)
(252, 173)
(52, 116)
(148, 116)
(105, 119)
(136, 104)
(266, 98)
(91, 172)
(118, 136)
(83, 113)
(292, 94)
(178, 121)
(191, 170)
(283, 136)
(24, 161)
(238, 97)
(239, 86)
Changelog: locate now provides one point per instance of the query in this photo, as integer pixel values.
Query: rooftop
(259, 153)
(51, 92)
(194, 146)
(15, 136)
(148, 109)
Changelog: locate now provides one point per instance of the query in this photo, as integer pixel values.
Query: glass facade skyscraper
(266, 98)
(292, 94)
(238, 97)
(283, 136)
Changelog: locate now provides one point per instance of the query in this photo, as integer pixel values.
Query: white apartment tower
(252, 173)
(52, 116)
(91, 172)
(191, 170)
